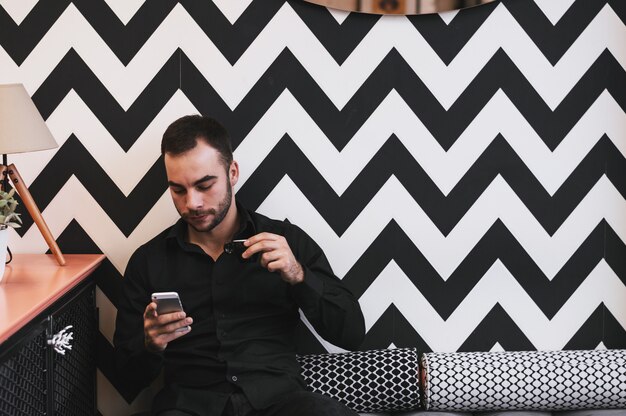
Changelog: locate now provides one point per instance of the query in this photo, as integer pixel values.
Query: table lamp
(22, 129)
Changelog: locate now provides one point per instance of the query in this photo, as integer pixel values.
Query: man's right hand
(159, 330)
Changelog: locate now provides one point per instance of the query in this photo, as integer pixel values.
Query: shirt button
(234, 378)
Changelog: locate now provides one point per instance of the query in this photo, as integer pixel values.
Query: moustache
(194, 213)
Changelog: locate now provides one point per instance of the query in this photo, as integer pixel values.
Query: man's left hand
(276, 256)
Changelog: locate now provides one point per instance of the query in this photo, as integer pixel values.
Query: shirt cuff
(146, 357)
(311, 285)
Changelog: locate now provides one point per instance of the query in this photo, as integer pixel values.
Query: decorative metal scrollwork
(61, 340)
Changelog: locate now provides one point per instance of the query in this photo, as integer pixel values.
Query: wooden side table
(48, 327)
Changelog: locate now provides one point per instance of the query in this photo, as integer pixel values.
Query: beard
(218, 214)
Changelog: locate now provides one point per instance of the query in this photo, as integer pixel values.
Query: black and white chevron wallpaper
(465, 172)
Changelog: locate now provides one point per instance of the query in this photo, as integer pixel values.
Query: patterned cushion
(368, 381)
(555, 380)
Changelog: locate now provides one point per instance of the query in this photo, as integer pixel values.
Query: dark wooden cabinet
(48, 363)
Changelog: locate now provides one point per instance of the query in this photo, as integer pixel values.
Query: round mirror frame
(399, 6)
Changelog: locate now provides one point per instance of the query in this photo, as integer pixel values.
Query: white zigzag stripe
(106, 309)
(232, 9)
(445, 168)
(96, 223)
(392, 202)
(125, 9)
(18, 9)
(448, 17)
(445, 253)
(115, 403)
(554, 9)
(339, 82)
(496, 286)
(340, 169)
(126, 169)
(339, 15)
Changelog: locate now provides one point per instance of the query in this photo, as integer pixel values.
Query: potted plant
(8, 218)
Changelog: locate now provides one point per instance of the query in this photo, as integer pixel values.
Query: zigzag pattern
(465, 174)
(339, 126)
(601, 201)
(339, 82)
(340, 211)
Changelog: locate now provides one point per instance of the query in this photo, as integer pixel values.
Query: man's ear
(233, 172)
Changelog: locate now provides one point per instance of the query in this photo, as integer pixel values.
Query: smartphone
(235, 246)
(168, 302)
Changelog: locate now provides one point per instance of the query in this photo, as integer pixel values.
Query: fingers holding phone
(164, 320)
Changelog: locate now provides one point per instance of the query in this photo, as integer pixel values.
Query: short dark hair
(183, 135)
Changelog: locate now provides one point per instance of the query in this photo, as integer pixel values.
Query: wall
(464, 173)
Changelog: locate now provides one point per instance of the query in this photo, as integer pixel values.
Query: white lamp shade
(22, 128)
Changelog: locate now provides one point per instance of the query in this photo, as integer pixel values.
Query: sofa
(402, 382)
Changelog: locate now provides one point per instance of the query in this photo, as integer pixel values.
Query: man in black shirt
(231, 352)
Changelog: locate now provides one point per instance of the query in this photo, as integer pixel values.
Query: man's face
(201, 186)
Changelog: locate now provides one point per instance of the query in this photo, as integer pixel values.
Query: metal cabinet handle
(61, 340)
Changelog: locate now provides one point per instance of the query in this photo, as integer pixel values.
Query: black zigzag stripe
(73, 159)
(105, 360)
(339, 125)
(126, 40)
(497, 244)
(109, 280)
(600, 327)
(448, 40)
(498, 327)
(19, 42)
(393, 159)
(339, 40)
(232, 40)
(615, 252)
(499, 73)
(124, 126)
(555, 40)
(392, 327)
(620, 9)
(74, 240)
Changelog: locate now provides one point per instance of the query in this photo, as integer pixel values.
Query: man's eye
(204, 187)
(178, 191)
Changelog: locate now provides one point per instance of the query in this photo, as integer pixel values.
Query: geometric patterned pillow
(533, 380)
(366, 381)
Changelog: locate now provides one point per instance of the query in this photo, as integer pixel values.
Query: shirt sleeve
(327, 303)
(136, 366)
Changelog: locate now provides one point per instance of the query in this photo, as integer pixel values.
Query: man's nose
(194, 200)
